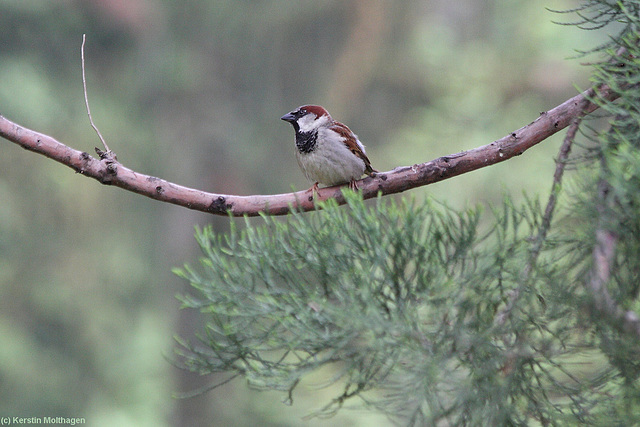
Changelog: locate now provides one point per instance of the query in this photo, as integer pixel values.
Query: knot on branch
(111, 163)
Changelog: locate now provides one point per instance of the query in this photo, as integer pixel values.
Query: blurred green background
(191, 92)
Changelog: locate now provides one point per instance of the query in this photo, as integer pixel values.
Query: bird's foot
(312, 191)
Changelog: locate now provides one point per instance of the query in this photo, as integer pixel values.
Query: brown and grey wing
(354, 145)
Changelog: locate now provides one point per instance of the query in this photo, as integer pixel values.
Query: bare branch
(604, 253)
(110, 172)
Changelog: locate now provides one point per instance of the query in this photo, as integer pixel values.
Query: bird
(327, 151)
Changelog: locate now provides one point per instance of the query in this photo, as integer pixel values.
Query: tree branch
(604, 253)
(107, 170)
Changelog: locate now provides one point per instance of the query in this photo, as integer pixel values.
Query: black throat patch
(306, 141)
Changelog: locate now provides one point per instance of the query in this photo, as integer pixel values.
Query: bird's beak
(289, 117)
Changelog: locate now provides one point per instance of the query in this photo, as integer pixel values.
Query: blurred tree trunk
(356, 64)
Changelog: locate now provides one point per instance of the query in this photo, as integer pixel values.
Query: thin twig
(86, 98)
(536, 247)
(561, 162)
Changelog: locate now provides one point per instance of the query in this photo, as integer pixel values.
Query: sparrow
(328, 152)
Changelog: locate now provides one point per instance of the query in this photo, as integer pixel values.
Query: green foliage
(614, 196)
(403, 298)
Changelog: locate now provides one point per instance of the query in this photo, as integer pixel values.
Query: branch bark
(603, 258)
(604, 253)
(107, 170)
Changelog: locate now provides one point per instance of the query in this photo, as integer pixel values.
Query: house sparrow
(327, 151)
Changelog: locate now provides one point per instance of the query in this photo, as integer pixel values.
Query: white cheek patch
(308, 122)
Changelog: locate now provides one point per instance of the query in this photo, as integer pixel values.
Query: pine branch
(107, 170)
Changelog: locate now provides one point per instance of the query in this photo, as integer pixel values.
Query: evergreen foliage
(519, 316)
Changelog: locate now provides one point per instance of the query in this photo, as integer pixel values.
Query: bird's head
(308, 118)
